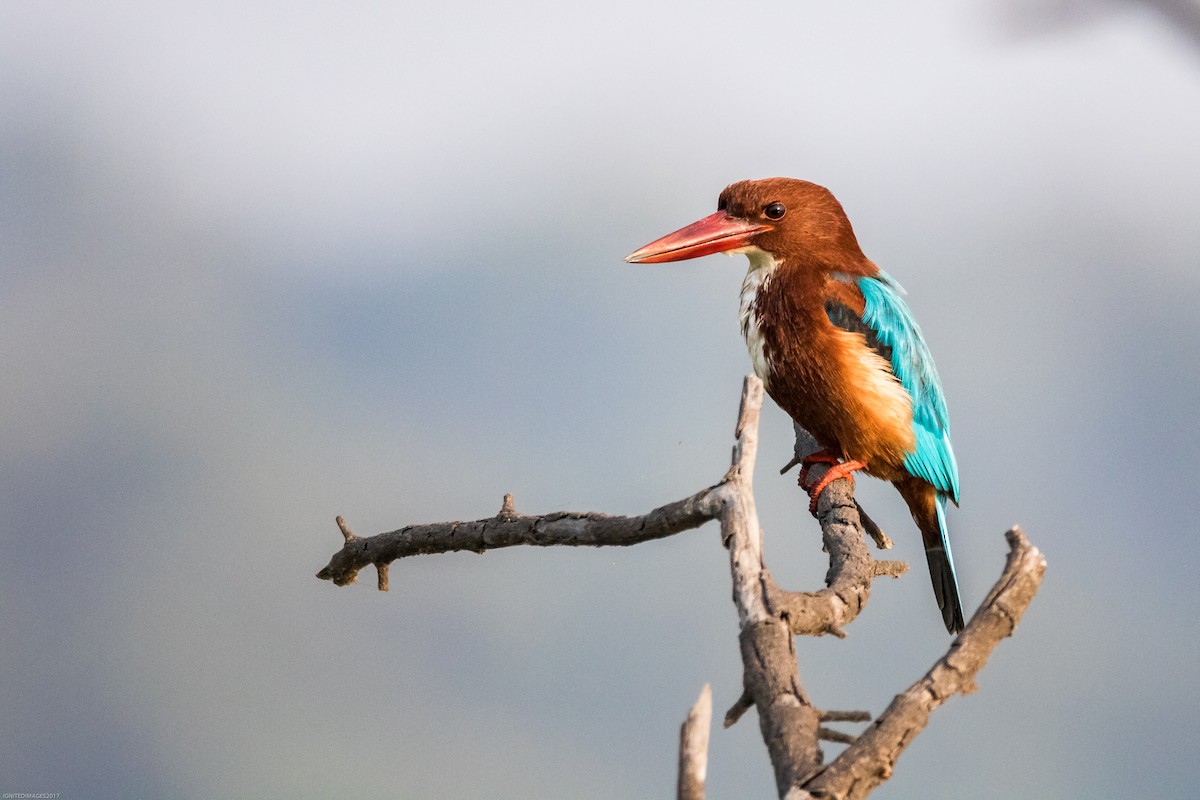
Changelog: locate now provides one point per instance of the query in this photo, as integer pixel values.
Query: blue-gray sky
(265, 263)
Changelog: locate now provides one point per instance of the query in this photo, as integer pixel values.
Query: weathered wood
(768, 616)
(851, 566)
(508, 529)
(871, 759)
(770, 677)
(693, 748)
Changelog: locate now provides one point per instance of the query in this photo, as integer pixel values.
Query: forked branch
(769, 617)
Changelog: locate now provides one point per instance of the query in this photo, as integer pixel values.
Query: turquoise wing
(888, 317)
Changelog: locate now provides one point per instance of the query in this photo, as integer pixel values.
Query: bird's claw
(837, 469)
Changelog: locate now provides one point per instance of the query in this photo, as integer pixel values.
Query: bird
(837, 348)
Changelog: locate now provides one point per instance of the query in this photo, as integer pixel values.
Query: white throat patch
(762, 266)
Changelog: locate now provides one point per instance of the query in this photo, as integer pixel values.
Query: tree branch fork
(769, 617)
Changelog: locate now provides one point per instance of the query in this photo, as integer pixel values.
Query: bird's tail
(941, 567)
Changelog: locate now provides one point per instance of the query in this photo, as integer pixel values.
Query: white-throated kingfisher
(837, 348)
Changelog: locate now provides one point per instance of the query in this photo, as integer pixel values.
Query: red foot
(837, 469)
(806, 463)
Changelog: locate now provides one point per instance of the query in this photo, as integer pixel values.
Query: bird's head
(794, 221)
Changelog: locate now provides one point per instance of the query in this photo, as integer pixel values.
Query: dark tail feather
(941, 572)
(928, 507)
(945, 587)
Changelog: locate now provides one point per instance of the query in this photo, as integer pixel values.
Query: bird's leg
(806, 463)
(837, 469)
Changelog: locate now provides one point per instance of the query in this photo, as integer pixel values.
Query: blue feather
(888, 316)
(941, 518)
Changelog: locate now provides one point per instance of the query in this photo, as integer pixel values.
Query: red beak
(716, 233)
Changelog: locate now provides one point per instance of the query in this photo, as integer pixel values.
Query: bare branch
(806, 445)
(768, 615)
(845, 716)
(830, 735)
(770, 677)
(508, 529)
(826, 611)
(347, 534)
(693, 748)
(870, 760)
(851, 566)
(744, 703)
(891, 569)
(873, 530)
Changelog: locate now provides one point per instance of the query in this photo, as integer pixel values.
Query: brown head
(797, 222)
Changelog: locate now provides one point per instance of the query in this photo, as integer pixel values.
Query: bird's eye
(775, 211)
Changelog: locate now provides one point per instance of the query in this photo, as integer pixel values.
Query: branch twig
(693, 748)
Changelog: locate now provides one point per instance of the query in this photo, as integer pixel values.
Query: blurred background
(265, 263)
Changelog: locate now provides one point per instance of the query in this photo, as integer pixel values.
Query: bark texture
(769, 617)
(693, 748)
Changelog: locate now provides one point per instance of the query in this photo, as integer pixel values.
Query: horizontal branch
(828, 610)
(508, 529)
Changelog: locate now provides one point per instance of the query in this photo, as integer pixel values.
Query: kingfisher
(837, 348)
